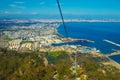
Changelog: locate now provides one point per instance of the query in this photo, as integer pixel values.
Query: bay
(95, 31)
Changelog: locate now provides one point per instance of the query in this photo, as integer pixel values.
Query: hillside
(53, 66)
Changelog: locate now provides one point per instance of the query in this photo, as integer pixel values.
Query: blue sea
(116, 58)
(95, 31)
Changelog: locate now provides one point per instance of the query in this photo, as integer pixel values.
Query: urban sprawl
(39, 37)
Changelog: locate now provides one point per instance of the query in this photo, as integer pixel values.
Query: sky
(47, 8)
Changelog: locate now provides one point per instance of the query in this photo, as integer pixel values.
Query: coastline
(112, 62)
(60, 35)
(57, 33)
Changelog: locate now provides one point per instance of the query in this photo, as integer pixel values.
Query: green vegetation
(61, 57)
(32, 66)
(56, 53)
(8, 39)
(23, 42)
(97, 71)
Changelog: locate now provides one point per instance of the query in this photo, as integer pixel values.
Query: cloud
(16, 6)
(21, 7)
(42, 2)
(6, 12)
(12, 5)
(34, 13)
(18, 13)
(18, 2)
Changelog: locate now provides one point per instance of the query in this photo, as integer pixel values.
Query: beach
(112, 62)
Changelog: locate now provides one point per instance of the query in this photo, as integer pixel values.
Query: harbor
(111, 42)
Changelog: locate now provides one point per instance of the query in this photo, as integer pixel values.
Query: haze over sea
(95, 31)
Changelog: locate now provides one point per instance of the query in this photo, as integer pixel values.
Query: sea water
(95, 31)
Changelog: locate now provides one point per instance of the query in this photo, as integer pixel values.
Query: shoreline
(112, 62)
(57, 33)
(59, 20)
(60, 35)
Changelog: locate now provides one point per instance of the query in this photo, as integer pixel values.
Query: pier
(111, 61)
(111, 42)
(84, 40)
(112, 54)
(116, 44)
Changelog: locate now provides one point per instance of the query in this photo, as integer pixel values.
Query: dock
(112, 54)
(84, 40)
(111, 42)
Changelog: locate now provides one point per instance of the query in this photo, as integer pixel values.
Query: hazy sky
(49, 7)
